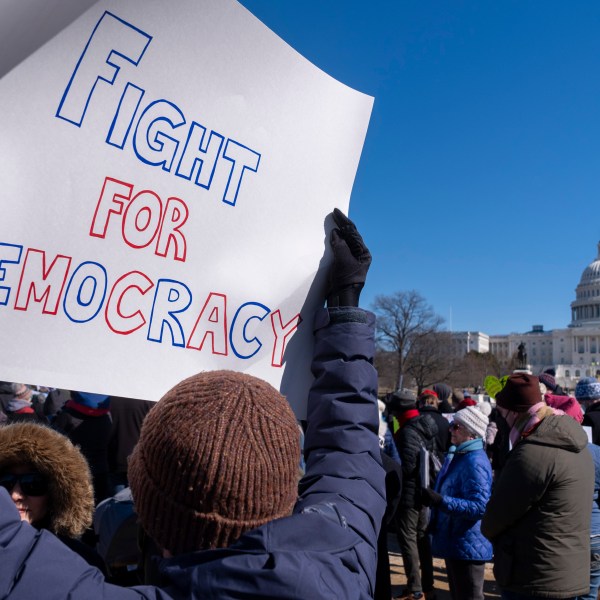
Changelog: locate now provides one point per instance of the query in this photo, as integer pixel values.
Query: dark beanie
(217, 456)
(547, 380)
(401, 400)
(443, 390)
(520, 393)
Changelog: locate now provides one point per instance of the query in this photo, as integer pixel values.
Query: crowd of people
(216, 491)
(518, 486)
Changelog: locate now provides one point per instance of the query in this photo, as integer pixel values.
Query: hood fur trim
(71, 496)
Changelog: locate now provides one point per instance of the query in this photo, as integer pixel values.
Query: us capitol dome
(585, 310)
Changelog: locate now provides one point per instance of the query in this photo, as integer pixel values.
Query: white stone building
(573, 352)
(467, 341)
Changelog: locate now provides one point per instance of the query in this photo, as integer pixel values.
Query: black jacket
(443, 435)
(410, 438)
(591, 418)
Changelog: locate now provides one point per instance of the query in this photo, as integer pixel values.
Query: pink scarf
(523, 424)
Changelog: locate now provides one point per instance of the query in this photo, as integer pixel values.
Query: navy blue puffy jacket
(325, 550)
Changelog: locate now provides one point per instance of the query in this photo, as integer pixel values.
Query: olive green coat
(538, 518)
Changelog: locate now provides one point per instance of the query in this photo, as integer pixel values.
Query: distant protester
(548, 378)
(429, 405)
(444, 392)
(85, 420)
(587, 392)
(457, 398)
(127, 416)
(19, 407)
(458, 503)
(415, 431)
(540, 551)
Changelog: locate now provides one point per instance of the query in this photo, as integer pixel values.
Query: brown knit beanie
(520, 392)
(217, 456)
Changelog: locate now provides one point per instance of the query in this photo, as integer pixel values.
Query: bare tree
(431, 359)
(403, 319)
(474, 367)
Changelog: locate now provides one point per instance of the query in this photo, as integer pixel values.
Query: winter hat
(217, 456)
(520, 392)
(485, 408)
(22, 392)
(473, 419)
(587, 388)
(547, 380)
(567, 404)
(402, 400)
(428, 392)
(443, 391)
(466, 402)
(70, 492)
(94, 401)
(551, 371)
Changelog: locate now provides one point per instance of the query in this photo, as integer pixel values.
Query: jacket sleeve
(343, 458)
(476, 483)
(36, 564)
(409, 446)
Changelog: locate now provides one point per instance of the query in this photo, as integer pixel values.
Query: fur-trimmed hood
(71, 496)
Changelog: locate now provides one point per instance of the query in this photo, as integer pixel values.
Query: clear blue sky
(479, 183)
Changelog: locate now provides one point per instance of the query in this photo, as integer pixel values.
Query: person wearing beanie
(587, 392)
(444, 393)
(425, 394)
(594, 565)
(458, 502)
(19, 407)
(85, 420)
(49, 482)
(539, 550)
(548, 378)
(214, 477)
(415, 431)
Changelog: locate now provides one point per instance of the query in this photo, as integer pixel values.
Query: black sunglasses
(32, 484)
(454, 426)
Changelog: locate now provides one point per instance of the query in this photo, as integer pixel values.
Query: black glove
(430, 497)
(351, 260)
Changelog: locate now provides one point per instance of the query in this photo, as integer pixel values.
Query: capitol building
(574, 352)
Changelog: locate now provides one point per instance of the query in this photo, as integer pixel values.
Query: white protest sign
(167, 171)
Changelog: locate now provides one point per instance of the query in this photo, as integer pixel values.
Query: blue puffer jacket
(326, 549)
(465, 487)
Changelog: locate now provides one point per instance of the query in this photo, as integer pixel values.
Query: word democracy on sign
(85, 290)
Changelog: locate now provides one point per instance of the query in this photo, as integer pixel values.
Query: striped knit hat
(587, 388)
(217, 456)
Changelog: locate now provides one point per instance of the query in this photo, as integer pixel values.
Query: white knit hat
(473, 419)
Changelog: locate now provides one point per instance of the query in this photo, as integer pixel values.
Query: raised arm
(344, 475)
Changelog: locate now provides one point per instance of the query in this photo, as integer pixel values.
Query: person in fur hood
(50, 483)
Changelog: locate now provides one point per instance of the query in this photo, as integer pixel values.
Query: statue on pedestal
(521, 356)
